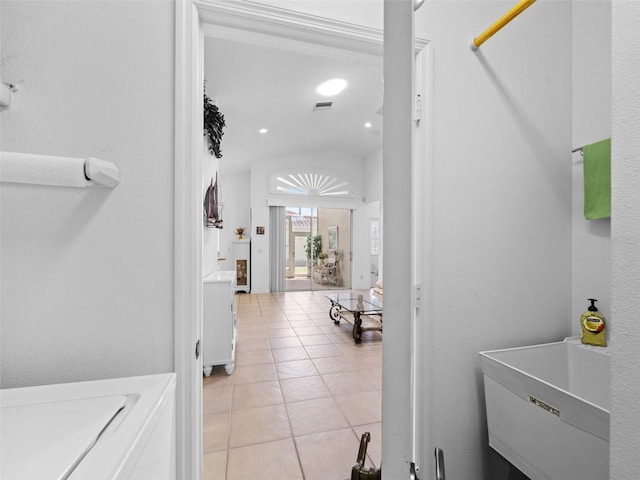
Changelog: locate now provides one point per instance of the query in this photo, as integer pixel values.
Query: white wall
(87, 275)
(361, 240)
(340, 163)
(373, 192)
(373, 177)
(236, 197)
(591, 245)
(210, 235)
(501, 262)
(360, 12)
(625, 241)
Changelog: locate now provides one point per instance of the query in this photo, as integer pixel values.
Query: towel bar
(57, 171)
(500, 23)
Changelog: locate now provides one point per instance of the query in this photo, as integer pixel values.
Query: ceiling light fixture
(368, 125)
(332, 87)
(263, 130)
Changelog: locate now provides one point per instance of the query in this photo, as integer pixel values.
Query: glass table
(363, 311)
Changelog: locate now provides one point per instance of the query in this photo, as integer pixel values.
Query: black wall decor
(213, 125)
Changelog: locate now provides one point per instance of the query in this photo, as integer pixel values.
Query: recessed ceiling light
(332, 87)
(263, 130)
(368, 125)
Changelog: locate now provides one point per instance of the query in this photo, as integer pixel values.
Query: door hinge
(198, 349)
(418, 116)
(417, 295)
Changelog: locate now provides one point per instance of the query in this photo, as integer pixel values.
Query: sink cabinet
(548, 408)
(218, 321)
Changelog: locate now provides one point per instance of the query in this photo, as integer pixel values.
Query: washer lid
(48, 440)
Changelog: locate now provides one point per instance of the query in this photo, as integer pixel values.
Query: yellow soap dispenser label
(593, 324)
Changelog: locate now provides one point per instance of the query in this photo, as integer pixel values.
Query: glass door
(317, 248)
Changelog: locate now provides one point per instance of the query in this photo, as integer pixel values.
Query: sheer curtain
(276, 249)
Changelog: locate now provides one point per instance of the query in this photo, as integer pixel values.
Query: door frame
(422, 322)
(191, 18)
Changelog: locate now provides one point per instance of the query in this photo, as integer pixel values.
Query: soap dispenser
(593, 326)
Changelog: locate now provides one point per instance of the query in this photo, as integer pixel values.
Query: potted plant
(240, 233)
(313, 248)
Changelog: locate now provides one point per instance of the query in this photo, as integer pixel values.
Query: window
(310, 183)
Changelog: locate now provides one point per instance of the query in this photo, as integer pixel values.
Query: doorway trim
(189, 42)
(191, 18)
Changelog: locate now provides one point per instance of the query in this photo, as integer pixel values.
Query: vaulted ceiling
(272, 85)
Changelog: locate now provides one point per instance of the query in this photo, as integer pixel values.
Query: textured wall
(625, 236)
(591, 242)
(501, 263)
(87, 275)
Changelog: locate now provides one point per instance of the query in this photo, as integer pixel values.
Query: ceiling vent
(323, 105)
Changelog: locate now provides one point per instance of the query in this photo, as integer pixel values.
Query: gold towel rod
(501, 22)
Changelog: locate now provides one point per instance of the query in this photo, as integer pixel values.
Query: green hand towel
(597, 180)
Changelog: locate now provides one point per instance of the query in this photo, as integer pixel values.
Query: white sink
(548, 409)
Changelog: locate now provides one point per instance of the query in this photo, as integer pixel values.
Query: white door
(407, 247)
(397, 401)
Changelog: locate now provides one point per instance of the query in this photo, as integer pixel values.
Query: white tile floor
(300, 397)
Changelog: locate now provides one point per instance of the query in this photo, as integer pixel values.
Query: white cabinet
(218, 321)
(242, 262)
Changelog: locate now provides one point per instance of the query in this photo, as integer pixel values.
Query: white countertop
(222, 276)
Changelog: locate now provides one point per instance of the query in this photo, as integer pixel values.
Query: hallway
(300, 397)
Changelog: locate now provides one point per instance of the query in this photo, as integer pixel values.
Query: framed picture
(332, 238)
(260, 230)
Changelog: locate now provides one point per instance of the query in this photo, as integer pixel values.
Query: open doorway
(317, 249)
(293, 362)
(190, 18)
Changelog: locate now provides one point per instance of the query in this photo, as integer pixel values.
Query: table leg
(334, 313)
(357, 327)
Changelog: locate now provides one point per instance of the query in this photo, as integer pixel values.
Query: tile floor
(300, 397)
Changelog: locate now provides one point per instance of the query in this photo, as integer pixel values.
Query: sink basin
(548, 409)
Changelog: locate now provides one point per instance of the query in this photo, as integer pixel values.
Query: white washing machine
(115, 429)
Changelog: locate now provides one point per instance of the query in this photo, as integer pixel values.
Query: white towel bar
(57, 171)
